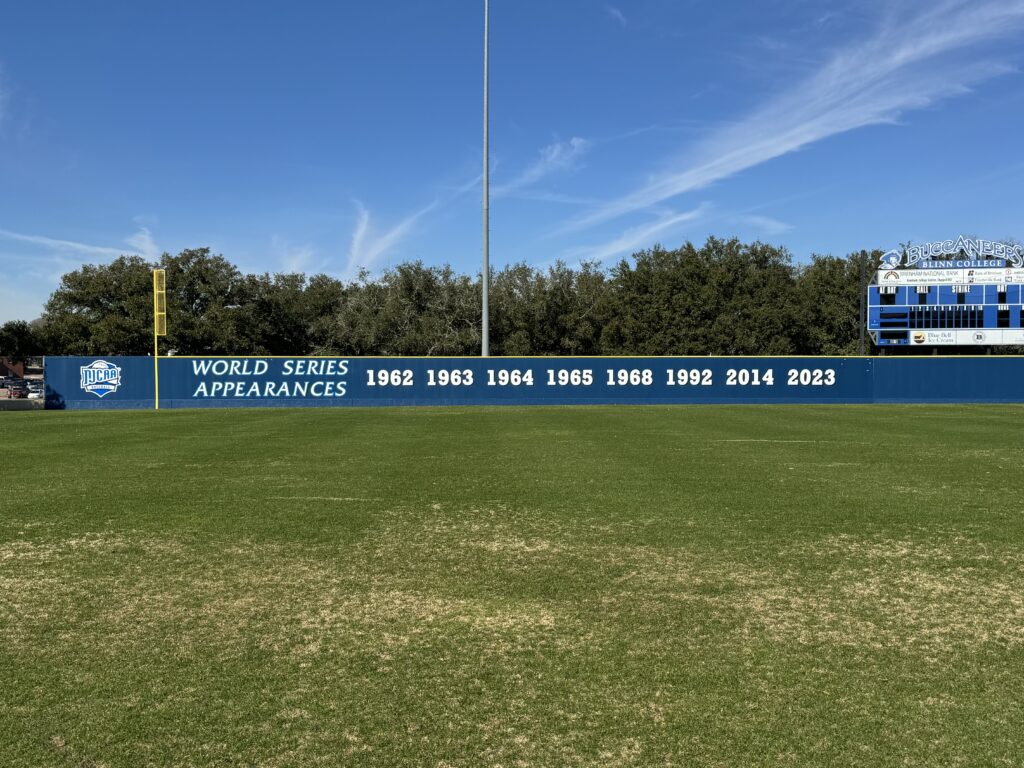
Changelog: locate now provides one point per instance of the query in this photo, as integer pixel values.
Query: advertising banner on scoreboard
(1007, 336)
(1005, 276)
(80, 383)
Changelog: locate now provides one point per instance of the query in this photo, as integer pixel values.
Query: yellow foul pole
(159, 328)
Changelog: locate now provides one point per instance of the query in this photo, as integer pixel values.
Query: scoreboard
(953, 293)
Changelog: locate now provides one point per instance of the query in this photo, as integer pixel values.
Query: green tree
(581, 302)
(725, 298)
(410, 310)
(323, 299)
(207, 305)
(102, 310)
(517, 308)
(558, 312)
(756, 292)
(19, 341)
(661, 304)
(722, 298)
(286, 309)
(829, 293)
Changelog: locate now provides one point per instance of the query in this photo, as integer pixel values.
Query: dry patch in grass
(293, 601)
(367, 612)
(33, 551)
(935, 594)
(867, 592)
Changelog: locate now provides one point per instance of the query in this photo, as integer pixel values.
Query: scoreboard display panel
(953, 293)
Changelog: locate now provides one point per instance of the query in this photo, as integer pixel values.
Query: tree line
(722, 298)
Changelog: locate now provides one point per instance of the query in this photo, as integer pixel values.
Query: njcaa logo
(101, 378)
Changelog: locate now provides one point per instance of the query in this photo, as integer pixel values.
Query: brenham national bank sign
(962, 253)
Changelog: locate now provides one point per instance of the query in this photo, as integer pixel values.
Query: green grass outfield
(662, 586)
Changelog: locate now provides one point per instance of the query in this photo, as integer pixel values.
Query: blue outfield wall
(81, 383)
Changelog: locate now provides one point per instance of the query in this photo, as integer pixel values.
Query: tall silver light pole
(486, 277)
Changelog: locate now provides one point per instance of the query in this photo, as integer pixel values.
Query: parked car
(36, 394)
(18, 389)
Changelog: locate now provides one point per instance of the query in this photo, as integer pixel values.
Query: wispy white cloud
(30, 273)
(765, 224)
(3, 94)
(912, 61)
(468, 186)
(557, 157)
(547, 196)
(358, 235)
(637, 237)
(616, 15)
(140, 243)
(368, 247)
(293, 258)
(825, 18)
(67, 246)
(772, 44)
(143, 244)
(146, 220)
(687, 125)
(34, 264)
(19, 300)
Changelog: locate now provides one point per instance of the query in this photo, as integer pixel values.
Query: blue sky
(319, 136)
